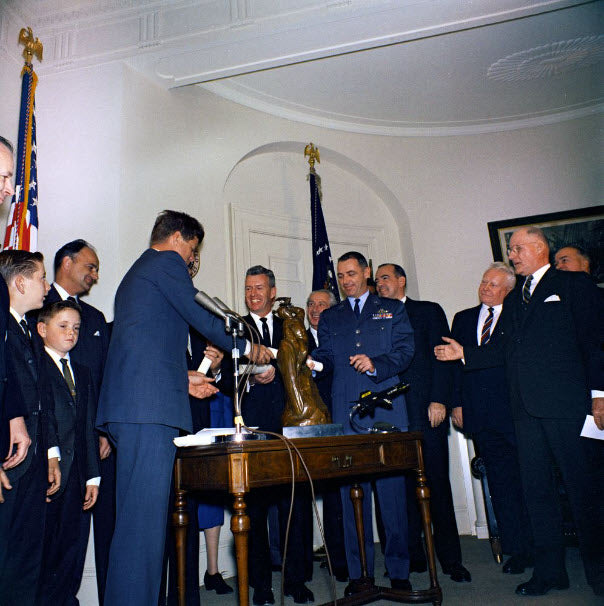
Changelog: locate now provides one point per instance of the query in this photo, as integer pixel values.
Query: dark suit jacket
(263, 405)
(23, 385)
(75, 420)
(93, 340)
(429, 379)
(10, 407)
(482, 394)
(145, 379)
(322, 379)
(383, 333)
(551, 350)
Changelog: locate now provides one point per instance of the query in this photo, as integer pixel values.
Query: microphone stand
(236, 331)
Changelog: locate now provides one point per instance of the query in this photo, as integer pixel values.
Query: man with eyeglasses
(551, 338)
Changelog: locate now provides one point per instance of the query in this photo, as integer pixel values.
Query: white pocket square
(98, 334)
(552, 298)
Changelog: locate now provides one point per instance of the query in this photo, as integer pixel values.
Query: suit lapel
(538, 296)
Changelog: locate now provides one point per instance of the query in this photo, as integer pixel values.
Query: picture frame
(582, 227)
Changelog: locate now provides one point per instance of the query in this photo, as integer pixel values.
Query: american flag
(22, 225)
(323, 274)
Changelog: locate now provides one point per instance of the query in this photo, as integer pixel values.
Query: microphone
(208, 303)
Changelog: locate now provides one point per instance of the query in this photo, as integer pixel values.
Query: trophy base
(314, 431)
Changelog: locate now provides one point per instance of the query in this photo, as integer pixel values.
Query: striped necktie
(526, 289)
(485, 335)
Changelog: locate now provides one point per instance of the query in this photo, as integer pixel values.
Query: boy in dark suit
(68, 387)
(23, 513)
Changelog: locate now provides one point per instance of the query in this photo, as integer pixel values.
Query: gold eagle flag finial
(32, 47)
(313, 155)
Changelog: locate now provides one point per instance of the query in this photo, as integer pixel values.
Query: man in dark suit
(262, 406)
(367, 341)
(76, 267)
(429, 395)
(572, 258)
(68, 387)
(333, 523)
(14, 440)
(23, 513)
(144, 398)
(551, 325)
(482, 410)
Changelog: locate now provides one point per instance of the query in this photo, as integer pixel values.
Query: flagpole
(324, 276)
(22, 224)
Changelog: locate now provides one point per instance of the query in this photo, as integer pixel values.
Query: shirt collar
(269, 319)
(314, 333)
(16, 315)
(55, 356)
(496, 308)
(361, 299)
(537, 275)
(62, 292)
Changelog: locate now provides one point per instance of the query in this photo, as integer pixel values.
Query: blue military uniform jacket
(383, 333)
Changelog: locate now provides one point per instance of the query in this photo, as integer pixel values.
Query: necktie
(68, 377)
(486, 328)
(526, 289)
(25, 328)
(72, 299)
(357, 309)
(266, 337)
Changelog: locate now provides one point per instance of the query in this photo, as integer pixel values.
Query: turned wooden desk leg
(180, 521)
(423, 498)
(356, 495)
(240, 527)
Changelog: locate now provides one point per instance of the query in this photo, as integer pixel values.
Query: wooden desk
(239, 467)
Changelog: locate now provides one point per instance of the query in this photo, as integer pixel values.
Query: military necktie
(357, 309)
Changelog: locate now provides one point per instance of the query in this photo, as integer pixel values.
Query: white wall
(114, 150)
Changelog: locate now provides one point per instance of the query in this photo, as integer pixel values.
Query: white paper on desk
(590, 429)
(206, 436)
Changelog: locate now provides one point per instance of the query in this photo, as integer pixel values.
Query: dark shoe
(358, 586)
(536, 586)
(403, 584)
(300, 592)
(418, 566)
(341, 574)
(516, 564)
(216, 583)
(458, 573)
(263, 596)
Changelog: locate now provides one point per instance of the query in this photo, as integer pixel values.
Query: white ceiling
(404, 67)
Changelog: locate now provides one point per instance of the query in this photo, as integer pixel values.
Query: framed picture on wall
(582, 227)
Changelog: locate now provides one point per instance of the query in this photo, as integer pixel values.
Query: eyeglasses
(517, 248)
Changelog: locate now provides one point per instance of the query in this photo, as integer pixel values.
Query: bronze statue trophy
(303, 404)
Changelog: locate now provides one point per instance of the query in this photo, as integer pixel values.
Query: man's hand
(362, 363)
(457, 417)
(200, 386)
(54, 477)
(259, 354)
(597, 409)
(104, 447)
(450, 352)
(265, 377)
(215, 355)
(92, 493)
(19, 438)
(436, 413)
(4, 483)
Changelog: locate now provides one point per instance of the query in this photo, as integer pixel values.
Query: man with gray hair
(482, 410)
(551, 331)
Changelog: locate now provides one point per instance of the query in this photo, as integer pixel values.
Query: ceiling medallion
(549, 60)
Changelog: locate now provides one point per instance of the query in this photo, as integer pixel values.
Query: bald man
(551, 334)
